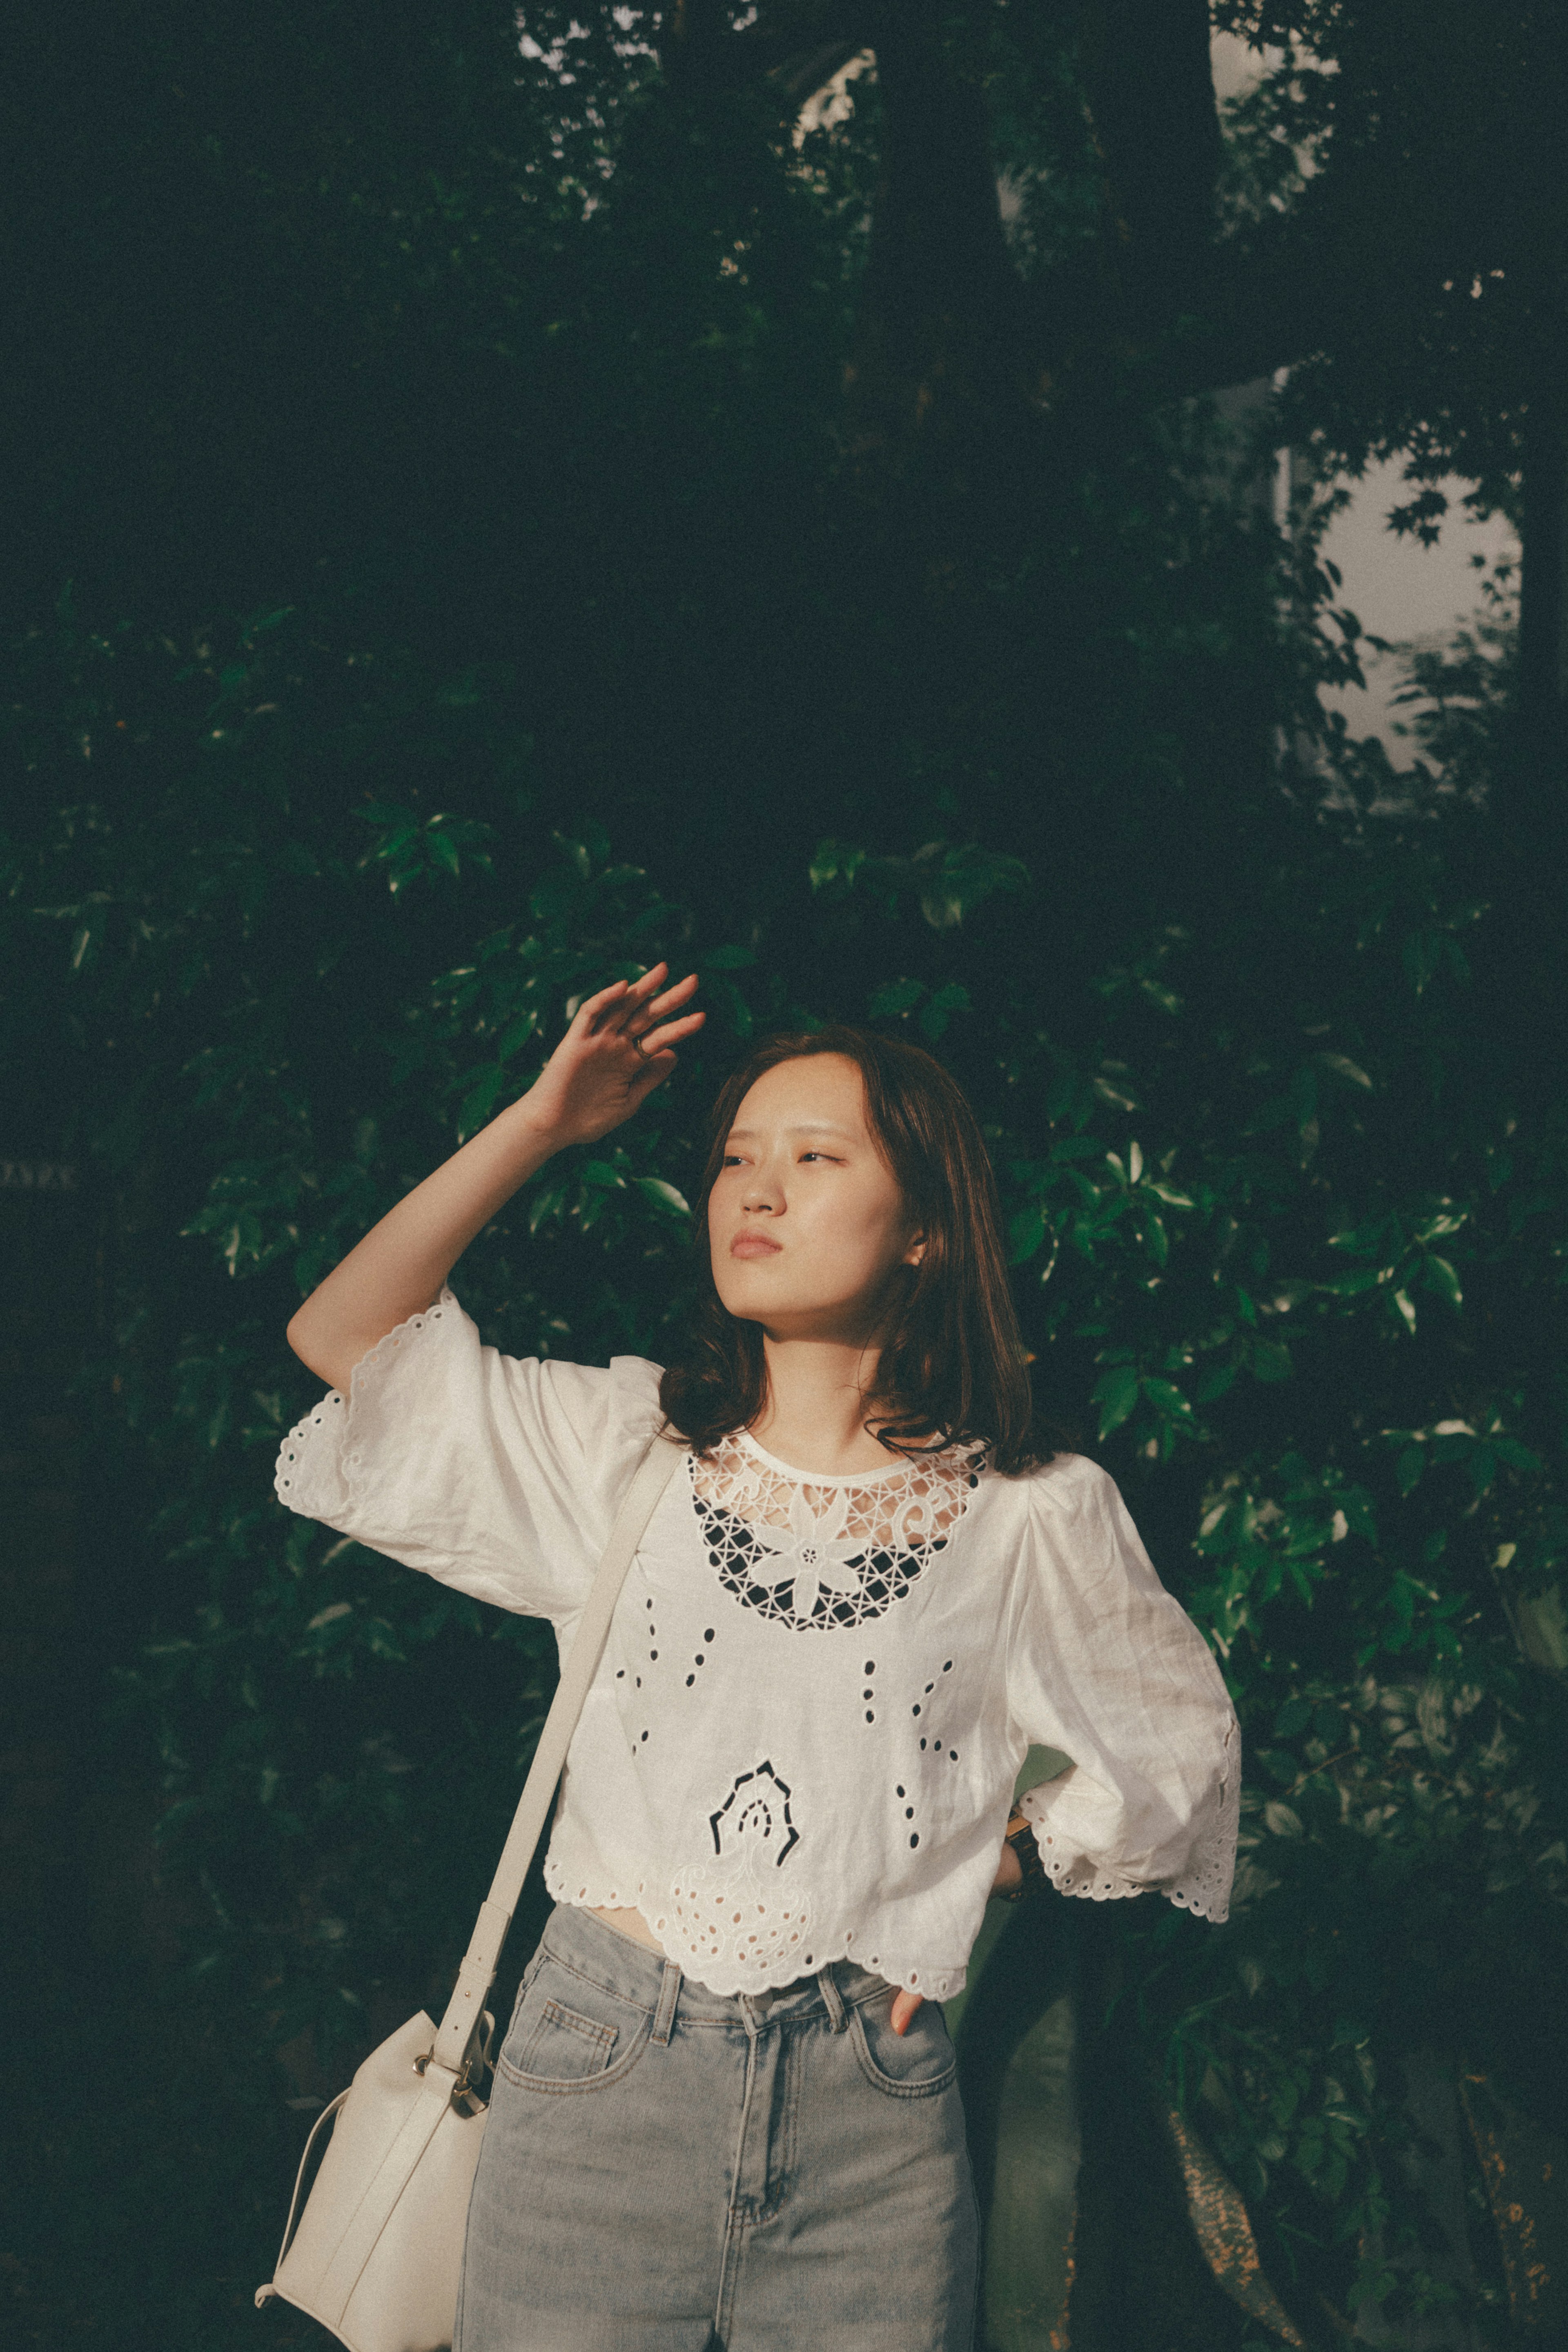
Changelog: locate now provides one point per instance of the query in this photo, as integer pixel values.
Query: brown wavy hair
(953, 1368)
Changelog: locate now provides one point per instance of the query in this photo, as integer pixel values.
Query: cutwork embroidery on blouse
(814, 1556)
(736, 1908)
(361, 1379)
(1205, 1884)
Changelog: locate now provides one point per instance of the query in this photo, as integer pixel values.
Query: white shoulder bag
(379, 2249)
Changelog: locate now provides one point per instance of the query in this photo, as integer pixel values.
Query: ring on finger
(637, 1046)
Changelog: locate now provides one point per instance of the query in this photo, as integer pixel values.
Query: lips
(754, 1245)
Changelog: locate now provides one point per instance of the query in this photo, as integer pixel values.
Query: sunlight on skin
(808, 1229)
(809, 1233)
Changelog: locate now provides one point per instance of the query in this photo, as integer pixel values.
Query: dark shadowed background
(834, 493)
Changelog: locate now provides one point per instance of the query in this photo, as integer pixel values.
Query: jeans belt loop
(669, 1994)
(837, 2016)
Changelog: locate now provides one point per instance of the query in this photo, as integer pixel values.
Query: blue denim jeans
(668, 2170)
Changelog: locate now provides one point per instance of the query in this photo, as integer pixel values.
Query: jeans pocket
(568, 2034)
(915, 2064)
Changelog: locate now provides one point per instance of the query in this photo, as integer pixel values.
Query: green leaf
(894, 997)
(1116, 1393)
(834, 864)
(1344, 1067)
(951, 883)
(1448, 1219)
(261, 625)
(947, 1001)
(546, 1206)
(1026, 1231)
(481, 1099)
(1167, 1400)
(517, 1033)
(1353, 1285)
(662, 1195)
(1440, 1276)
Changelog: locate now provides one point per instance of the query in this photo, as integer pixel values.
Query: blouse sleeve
(498, 1474)
(1105, 1665)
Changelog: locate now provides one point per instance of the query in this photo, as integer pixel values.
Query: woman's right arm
(617, 1050)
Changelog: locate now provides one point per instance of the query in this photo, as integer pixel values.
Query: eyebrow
(798, 1127)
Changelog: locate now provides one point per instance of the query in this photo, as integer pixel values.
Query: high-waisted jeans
(669, 2170)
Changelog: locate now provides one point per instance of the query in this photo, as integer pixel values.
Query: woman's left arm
(1105, 1666)
(1008, 1880)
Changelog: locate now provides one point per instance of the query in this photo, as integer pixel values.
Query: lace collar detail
(821, 1551)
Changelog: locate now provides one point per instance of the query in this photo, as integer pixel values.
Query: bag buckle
(475, 2062)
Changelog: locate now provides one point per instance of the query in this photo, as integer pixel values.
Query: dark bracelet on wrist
(1020, 1836)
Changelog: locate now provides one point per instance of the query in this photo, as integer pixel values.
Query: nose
(764, 1195)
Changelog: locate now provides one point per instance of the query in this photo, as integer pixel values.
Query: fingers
(659, 1041)
(592, 1008)
(645, 1008)
(670, 997)
(638, 992)
(635, 1007)
(905, 2005)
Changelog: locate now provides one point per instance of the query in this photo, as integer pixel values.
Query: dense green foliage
(1284, 1223)
(295, 901)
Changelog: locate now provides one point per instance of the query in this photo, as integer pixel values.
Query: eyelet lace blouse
(802, 1739)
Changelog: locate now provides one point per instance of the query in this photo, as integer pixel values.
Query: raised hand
(620, 1047)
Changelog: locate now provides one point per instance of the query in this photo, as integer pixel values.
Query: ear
(914, 1255)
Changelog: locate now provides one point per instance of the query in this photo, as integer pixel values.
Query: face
(807, 1225)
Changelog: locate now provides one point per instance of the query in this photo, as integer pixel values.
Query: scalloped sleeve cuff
(1105, 1665)
(497, 1474)
(1082, 1831)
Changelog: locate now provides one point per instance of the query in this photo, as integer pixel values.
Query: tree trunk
(1150, 87)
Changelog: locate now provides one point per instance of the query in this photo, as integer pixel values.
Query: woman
(725, 2111)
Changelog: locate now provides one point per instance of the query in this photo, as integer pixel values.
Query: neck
(818, 1397)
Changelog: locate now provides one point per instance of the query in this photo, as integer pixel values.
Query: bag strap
(475, 1977)
(264, 2295)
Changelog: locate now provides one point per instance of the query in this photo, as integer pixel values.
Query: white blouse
(803, 1737)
